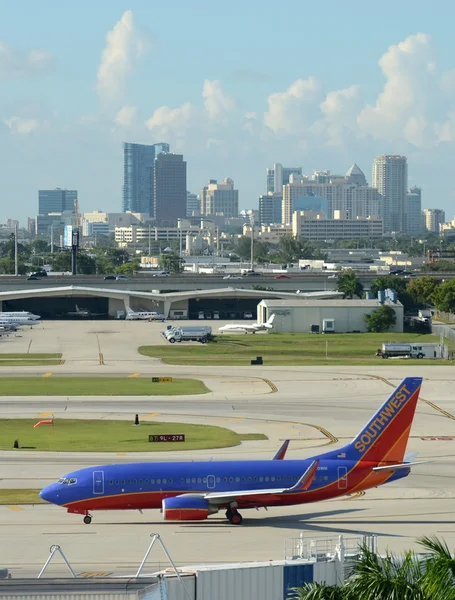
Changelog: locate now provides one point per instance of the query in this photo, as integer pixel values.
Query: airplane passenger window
(182, 480)
(146, 481)
(272, 478)
(140, 481)
(170, 480)
(129, 481)
(225, 479)
(193, 480)
(237, 479)
(164, 481)
(255, 479)
(204, 480)
(261, 479)
(123, 482)
(152, 481)
(188, 480)
(218, 480)
(249, 478)
(117, 482)
(111, 482)
(158, 481)
(231, 479)
(278, 478)
(135, 481)
(199, 480)
(266, 478)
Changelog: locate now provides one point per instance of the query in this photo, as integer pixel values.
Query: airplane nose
(49, 494)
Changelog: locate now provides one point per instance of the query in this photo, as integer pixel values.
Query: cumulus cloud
(125, 116)
(21, 125)
(171, 122)
(14, 63)
(216, 102)
(294, 109)
(124, 45)
(409, 102)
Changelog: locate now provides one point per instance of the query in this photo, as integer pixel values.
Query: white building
(310, 226)
(300, 316)
(278, 176)
(413, 212)
(390, 178)
(434, 217)
(193, 205)
(112, 220)
(220, 198)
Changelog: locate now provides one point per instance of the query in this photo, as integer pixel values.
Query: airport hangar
(57, 302)
(295, 315)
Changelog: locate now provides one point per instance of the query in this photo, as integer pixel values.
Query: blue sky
(234, 86)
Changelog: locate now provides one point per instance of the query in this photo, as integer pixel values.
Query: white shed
(334, 316)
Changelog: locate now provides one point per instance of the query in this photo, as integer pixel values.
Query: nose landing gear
(87, 519)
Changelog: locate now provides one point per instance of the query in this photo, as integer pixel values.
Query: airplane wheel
(236, 518)
(87, 519)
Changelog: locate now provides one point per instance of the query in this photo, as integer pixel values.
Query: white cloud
(14, 63)
(171, 122)
(124, 44)
(410, 100)
(21, 126)
(126, 116)
(216, 102)
(295, 109)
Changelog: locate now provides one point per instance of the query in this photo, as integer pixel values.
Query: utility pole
(16, 262)
(52, 238)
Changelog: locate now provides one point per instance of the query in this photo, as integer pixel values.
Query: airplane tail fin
(129, 310)
(270, 320)
(77, 308)
(385, 436)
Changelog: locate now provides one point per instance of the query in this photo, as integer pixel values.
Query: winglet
(307, 478)
(282, 451)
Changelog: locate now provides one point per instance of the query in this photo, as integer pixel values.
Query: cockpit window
(66, 481)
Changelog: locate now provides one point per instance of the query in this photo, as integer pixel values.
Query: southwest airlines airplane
(187, 491)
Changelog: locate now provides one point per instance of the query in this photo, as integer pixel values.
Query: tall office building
(220, 198)
(390, 178)
(193, 205)
(338, 194)
(169, 189)
(278, 176)
(56, 201)
(356, 175)
(138, 166)
(413, 212)
(270, 206)
(433, 218)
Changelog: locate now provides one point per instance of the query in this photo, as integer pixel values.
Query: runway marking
(271, 385)
(432, 404)
(15, 508)
(45, 414)
(134, 375)
(47, 374)
(121, 453)
(150, 415)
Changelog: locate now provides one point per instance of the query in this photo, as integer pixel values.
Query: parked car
(282, 277)
(232, 277)
(247, 315)
(33, 278)
(334, 276)
(121, 277)
(200, 314)
(161, 274)
(252, 273)
(39, 274)
(110, 277)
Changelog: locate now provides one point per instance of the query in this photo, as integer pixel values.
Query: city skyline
(66, 107)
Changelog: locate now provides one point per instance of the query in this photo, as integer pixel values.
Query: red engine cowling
(187, 508)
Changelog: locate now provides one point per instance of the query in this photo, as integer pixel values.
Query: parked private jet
(241, 327)
(190, 491)
(143, 315)
(84, 312)
(20, 314)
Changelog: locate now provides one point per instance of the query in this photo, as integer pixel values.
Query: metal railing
(325, 549)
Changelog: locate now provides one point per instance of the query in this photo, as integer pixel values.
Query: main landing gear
(233, 516)
(87, 519)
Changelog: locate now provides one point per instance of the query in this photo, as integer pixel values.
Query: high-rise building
(278, 176)
(413, 212)
(56, 201)
(356, 200)
(169, 189)
(356, 175)
(270, 206)
(193, 205)
(390, 178)
(433, 218)
(138, 166)
(220, 198)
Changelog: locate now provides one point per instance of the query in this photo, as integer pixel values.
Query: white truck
(417, 350)
(188, 334)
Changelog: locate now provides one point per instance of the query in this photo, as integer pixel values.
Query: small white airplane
(20, 314)
(143, 315)
(10, 320)
(233, 327)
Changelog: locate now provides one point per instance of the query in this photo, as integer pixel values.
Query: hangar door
(65, 307)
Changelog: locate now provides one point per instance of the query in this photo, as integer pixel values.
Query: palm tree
(438, 577)
(320, 591)
(349, 284)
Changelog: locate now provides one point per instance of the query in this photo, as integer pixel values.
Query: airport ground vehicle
(188, 334)
(410, 350)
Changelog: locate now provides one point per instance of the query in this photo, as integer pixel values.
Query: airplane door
(98, 482)
(210, 481)
(342, 478)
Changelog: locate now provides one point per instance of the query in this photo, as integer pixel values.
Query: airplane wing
(393, 468)
(282, 451)
(302, 484)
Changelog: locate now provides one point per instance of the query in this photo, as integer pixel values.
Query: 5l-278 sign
(167, 438)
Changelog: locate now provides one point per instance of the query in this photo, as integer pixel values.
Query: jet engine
(187, 508)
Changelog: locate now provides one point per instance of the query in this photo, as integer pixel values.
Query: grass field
(289, 349)
(80, 435)
(20, 496)
(11, 359)
(98, 386)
